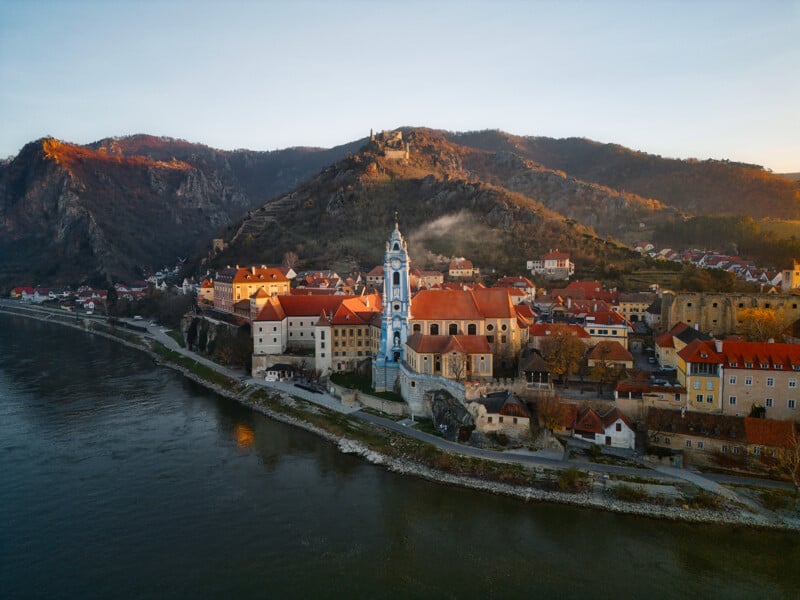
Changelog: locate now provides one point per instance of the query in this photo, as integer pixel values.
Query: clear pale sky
(704, 79)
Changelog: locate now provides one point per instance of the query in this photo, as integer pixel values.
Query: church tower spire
(396, 312)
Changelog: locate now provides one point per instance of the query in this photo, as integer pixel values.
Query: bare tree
(458, 365)
(789, 455)
(290, 260)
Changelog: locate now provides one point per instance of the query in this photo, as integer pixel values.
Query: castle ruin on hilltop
(390, 144)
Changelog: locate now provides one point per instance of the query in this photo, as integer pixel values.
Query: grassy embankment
(398, 446)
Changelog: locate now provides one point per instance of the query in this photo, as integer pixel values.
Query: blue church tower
(396, 313)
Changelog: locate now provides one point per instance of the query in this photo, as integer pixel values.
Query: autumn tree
(563, 352)
(762, 324)
(550, 412)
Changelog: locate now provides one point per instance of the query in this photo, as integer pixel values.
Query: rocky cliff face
(112, 210)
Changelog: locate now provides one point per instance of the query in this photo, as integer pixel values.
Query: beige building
(634, 306)
(458, 357)
(730, 378)
(791, 277)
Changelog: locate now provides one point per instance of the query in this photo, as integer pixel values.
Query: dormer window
(733, 364)
(748, 365)
(703, 355)
(765, 365)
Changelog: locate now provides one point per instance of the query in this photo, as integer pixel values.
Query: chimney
(718, 346)
(253, 269)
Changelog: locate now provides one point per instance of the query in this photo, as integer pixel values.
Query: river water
(119, 478)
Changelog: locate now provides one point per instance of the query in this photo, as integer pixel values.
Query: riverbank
(401, 454)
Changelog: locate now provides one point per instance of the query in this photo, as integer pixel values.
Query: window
(490, 327)
(490, 339)
(793, 383)
(732, 400)
(757, 451)
(619, 426)
(322, 344)
(709, 386)
(770, 382)
(700, 445)
(488, 419)
(790, 404)
(696, 384)
(732, 380)
(725, 448)
(688, 443)
(452, 329)
(502, 339)
(515, 420)
(736, 449)
(435, 329)
(709, 399)
(500, 419)
(667, 441)
(472, 329)
(699, 398)
(322, 335)
(768, 402)
(765, 365)
(395, 278)
(748, 365)
(748, 381)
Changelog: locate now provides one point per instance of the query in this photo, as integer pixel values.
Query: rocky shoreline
(727, 516)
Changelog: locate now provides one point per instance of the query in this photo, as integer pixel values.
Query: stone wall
(717, 313)
(413, 387)
(351, 397)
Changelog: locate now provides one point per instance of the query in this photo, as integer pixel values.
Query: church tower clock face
(395, 263)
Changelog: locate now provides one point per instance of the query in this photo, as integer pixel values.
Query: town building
(233, 285)
(703, 437)
(553, 265)
(731, 377)
(501, 412)
(609, 428)
(461, 268)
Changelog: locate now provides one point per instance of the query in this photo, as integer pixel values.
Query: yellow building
(233, 285)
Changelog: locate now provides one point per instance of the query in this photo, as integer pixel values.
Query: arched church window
(396, 278)
(472, 329)
(452, 329)
(435, 329)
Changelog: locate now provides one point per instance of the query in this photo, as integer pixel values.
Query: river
(123, 479)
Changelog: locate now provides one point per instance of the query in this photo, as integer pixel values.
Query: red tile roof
(442, 344)
(769, 432)
(545, 329)
(610, 350)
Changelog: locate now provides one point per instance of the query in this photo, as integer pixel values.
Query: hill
(696, 187)
(117, 208)
(448, 207)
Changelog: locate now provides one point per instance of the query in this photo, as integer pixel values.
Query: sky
(683, 79)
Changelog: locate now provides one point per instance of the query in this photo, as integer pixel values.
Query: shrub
(630, 493)
(571, 479)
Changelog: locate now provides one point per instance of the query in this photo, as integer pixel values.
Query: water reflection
(245, 436)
